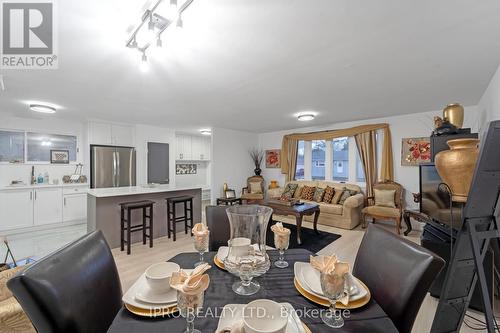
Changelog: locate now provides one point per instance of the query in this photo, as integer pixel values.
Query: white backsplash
(9, 172)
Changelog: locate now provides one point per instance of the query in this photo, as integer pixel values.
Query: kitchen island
(103, 209)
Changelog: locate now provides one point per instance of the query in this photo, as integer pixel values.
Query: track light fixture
(153, 23)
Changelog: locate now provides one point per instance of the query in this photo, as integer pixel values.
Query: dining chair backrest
(76, 289)
(398, 273)
(218, 224)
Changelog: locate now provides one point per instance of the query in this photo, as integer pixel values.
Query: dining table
(276, 284)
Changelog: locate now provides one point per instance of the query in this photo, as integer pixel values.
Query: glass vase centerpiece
(247, 257)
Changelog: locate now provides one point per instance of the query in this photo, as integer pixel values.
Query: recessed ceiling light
(305, 117)
(206, 132)
(42, 108)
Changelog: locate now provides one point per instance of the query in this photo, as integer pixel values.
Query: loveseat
(346, 215)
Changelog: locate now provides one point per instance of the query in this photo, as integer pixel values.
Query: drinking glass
(201, 245)
(281, 242)
(188, 306)
(334, 288)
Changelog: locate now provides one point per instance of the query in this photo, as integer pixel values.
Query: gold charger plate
(151, 313)
(313, 298)
(219, 263)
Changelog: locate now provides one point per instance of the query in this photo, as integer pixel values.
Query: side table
(229, 201)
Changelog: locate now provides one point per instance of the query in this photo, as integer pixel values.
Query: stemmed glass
(281, 242)
(334, 288)
(188, 306)
(201, 245)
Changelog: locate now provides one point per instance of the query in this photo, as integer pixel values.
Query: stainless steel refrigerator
(112, 166)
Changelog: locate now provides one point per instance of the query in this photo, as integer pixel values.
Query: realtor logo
(28, 35)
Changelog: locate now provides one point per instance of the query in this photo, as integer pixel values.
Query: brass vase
(454, 113)
(456, 166)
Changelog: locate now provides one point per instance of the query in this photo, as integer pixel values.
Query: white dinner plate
(309, 277)
(145, 294)
(232, 313)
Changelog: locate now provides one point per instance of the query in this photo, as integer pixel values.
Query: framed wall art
(273, 158)
(415, 151)
(59, 156)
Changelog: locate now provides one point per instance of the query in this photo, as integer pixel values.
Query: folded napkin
(191, 284)
(234, 328)
(200, 230)
(332, 266)
(280, 230)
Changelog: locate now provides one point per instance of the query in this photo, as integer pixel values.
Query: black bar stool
(172, 219)
(129, 228)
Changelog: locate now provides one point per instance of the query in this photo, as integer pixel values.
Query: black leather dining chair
(218, 224)
(76, 289)
(398, 273)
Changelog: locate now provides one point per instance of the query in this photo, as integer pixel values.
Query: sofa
(345, 216)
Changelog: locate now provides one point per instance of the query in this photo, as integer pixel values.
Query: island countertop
(134, 190)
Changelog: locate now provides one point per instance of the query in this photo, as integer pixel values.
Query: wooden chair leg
(144, 225)
(398, 225)
(363, 221)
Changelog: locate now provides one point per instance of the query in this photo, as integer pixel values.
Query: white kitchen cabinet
(47, 207)
(16, 209)
(192, 148)
(111, 134)
(122, 135)
(183, 147)
(100, 133)
(74, 207)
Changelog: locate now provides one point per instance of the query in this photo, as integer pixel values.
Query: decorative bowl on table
(247, 257)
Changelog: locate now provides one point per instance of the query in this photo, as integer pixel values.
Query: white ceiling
(252, 64)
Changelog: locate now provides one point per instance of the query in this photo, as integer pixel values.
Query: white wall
(231, 162)
(145, 134)
(50, 125)
(489, 105)
(405, 126)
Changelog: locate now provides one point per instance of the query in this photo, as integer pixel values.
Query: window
(299, 170)
(341, 159)
(318, 159)
(11, 146)
(39, 146)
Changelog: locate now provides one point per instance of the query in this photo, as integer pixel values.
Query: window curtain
(290, 164)
(290, 144)
(367, 148)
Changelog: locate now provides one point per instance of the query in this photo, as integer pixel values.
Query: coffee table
(299, 211)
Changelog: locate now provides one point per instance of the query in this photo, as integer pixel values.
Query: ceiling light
(305, 117)
(42, 108)
(179, 24)
(206, 132)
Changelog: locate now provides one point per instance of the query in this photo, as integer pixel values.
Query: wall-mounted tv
(435, 201)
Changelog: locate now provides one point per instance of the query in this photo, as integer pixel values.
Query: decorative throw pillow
(346, 194)
(255, 187)
(385, 198)
(329, 192)
(298, 192)
(318, 194)
(289, 191)
(308, 193)
(337, 195)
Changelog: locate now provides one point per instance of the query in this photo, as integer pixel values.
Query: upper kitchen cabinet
(192, 148)
(101, 133)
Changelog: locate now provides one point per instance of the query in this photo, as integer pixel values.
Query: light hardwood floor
(132, 266)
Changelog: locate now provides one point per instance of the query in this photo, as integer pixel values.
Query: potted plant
(257, 156)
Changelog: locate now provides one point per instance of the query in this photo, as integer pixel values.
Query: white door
(48, 206)
(16, 209)
(74, 207)
(122, 135)
(100, 133)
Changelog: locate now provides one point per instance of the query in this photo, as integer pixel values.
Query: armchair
(391, 211)
(253, 192)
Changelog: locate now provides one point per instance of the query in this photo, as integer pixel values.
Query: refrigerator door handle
(114, 169)
(118, 168)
